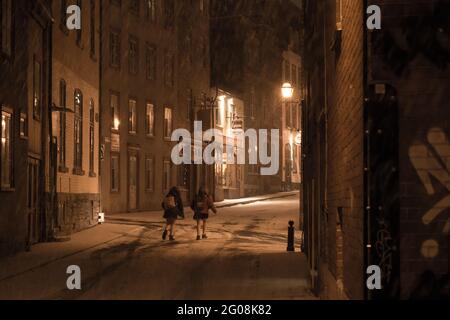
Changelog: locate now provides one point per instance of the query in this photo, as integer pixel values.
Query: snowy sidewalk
(43, 254)
(241, 201)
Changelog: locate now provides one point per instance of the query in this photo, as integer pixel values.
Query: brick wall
(345, 149)
(422, 84)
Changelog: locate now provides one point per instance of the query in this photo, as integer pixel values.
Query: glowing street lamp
(287, 91)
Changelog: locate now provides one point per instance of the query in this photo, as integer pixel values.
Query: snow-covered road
(244, 258)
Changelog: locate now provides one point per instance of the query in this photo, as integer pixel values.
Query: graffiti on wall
(433, 160)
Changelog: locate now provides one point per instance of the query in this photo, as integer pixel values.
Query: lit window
(150, 120)
(115, 119)
(167, 123)
(151, 10)
(37, 90)
(132, 117)
(6, 149)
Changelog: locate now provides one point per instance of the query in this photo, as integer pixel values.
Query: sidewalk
(242, 201)
(43, 254)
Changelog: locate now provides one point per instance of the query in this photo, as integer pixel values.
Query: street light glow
(287, 91)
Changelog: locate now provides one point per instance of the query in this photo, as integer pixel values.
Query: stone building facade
(375, 137)
(24, 100)
(155, 78)
(75, 117)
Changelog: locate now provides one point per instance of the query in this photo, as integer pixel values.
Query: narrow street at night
(244, 258)
(224, 158)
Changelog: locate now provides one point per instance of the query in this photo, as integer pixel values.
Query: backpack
(169, 202)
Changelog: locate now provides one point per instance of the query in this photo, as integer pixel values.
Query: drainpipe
(366, 210)
(100, 106)
(51, 156)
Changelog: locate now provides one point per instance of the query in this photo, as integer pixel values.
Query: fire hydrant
(291, 236)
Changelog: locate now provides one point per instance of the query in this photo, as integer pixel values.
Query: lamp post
(287, 92)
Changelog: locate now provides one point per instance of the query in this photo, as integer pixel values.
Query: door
(34, 216)
(132, 183)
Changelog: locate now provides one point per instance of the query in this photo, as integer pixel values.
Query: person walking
(173, 208)
(201, 205)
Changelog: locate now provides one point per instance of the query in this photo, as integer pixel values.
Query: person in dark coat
(173, 208)
(201, 205)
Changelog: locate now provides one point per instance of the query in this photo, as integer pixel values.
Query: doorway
(34, 217)
(132, 182)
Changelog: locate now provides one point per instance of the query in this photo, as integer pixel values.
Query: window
(92, 28)
(150, 120)
(150, 61)
(167, 123)
(91, 138)
(134, 7)
(117, 2)
(6, 30)
(339, 14)
(252, 103)
(115, 167)
(114, 48)
(167, 177)
(132, 116)
(169, 69)
(62, 123)
(133, 55)
(6, 149)
(294, 75)
(149, 174)
(151, 10)
(295, 159)
(287, 71)
(78, 133)
(80, 31)
(115, 118)
(220, 111)
(189, 105)
(63, 15)
(37, 90)
(288, 115)
(169, 13)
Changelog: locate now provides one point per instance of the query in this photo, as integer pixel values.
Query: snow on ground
(244, 258)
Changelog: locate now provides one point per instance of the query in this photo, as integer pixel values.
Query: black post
(291, 236)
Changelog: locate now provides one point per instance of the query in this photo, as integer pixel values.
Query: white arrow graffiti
(433, 162)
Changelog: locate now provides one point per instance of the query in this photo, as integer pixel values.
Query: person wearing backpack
(201, 205)
(173, 208)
